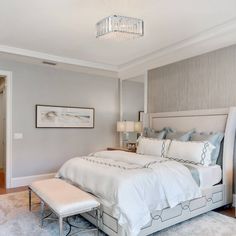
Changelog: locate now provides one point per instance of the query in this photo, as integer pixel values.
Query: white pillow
(191, 152)
(154, 147)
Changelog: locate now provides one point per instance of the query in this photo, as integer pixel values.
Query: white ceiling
(66, 28)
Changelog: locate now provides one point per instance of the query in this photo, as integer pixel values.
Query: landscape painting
(64, 117)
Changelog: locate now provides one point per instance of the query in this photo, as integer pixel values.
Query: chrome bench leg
(98, 217)
(60, 226)
(30, 193)
(42, 212)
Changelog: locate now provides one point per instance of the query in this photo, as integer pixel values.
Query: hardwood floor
(12, 190)
(230, 211)
(2, 179)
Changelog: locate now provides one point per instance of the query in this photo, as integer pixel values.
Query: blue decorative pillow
(152, 133)
(214, 138)
(180, 136)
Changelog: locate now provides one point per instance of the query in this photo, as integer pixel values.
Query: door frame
(8, 125)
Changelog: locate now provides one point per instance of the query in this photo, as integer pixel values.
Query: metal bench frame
(62, 217)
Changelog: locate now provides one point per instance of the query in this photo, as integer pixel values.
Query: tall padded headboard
(212, 120)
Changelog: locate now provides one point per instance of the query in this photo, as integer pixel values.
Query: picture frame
(140, 116)
(52, 116)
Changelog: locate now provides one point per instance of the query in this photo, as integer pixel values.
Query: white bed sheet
(207, 175)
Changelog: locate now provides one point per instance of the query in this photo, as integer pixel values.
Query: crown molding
(57, 59)
(199, 44)
(214, 38)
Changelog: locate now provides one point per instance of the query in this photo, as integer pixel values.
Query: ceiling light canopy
(120, 28)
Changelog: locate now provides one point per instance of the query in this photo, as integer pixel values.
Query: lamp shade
(120, 126)
(138, 126)
(129, 126)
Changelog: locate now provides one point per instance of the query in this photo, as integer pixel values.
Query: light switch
(18, 136)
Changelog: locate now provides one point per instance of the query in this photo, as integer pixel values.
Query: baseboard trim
(26, 180)
(234, 200)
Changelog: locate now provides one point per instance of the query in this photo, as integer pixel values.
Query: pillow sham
(198, 153)
(154, 147)
(180, 136)
(214, 138)
(152, 133)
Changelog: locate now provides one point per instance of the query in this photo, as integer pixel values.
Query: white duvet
(134, 185)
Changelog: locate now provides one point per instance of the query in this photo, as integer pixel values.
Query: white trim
(26, 180)
(8, 85)
(234, 200)
(121, 109)
(211, 39)
(54, 58)
(145, 92)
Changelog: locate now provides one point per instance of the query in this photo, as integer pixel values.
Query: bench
(63, 199)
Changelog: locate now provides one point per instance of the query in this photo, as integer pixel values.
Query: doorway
(2, 133)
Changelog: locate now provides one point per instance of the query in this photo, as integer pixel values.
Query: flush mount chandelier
(120, 28)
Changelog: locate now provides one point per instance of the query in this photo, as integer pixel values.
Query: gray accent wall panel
(43, 151)
(202, 82)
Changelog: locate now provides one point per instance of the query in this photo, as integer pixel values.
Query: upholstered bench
(63, 199)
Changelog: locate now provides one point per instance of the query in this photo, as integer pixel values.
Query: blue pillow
(180, 136)
(152, 133)
(214, 138)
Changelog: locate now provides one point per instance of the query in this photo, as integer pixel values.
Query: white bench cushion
(64, 198)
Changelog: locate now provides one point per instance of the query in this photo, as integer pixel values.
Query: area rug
(16, 220)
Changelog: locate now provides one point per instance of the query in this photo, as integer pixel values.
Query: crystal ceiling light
(120, 28)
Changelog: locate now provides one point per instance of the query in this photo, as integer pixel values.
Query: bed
(213, 195)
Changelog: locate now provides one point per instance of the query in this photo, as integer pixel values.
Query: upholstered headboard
(213, 120)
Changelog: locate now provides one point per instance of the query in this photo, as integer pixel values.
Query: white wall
(43, 151)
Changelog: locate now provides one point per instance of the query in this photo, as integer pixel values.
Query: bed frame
(223, 120)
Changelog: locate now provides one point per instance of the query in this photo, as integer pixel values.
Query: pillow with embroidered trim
(152, 133)
(213, 138)
(193, 152)
(180, 136)
(153, 147)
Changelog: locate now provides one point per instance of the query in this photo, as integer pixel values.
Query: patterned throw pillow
(213, 138)
(198, 153)
(153, 147)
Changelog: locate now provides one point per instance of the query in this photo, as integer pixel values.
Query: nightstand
(120, 149)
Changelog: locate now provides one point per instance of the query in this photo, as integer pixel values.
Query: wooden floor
(227, 211)
(2, 179)
(3, 190)
(12, 190)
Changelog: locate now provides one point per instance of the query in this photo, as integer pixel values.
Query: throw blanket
(135, 185)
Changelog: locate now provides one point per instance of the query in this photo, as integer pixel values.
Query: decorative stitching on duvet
(184, 161)
(111, 164)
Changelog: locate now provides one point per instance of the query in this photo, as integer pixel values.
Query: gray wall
(45, 150)
(1, 130)
(206, 81)
(203, 82)
(133, 102)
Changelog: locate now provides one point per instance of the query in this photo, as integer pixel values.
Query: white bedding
(134, 185)
(206, 176)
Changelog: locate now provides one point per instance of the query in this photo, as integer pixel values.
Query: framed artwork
(48, 116)
(140, 116)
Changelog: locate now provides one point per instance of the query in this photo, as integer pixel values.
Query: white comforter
(135, 185)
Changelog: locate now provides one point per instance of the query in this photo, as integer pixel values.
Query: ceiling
(66, 28)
